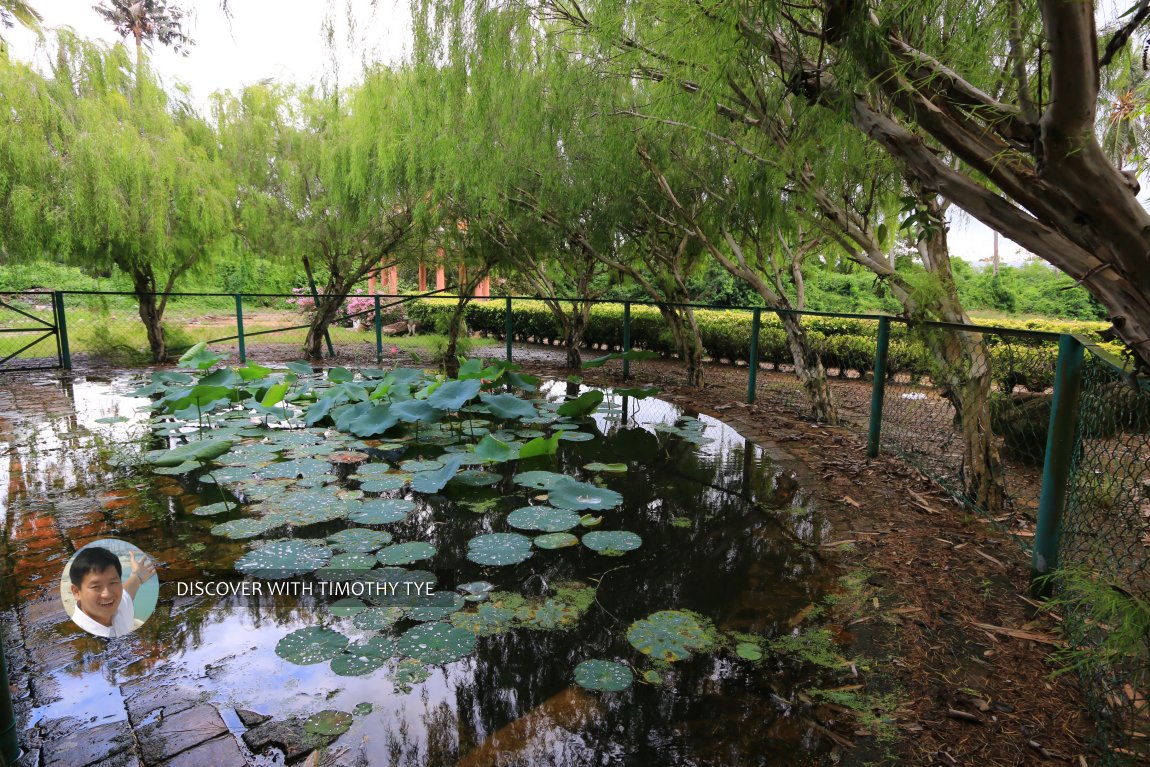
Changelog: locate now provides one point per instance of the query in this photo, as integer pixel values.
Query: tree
(146, 21)
(18, 11)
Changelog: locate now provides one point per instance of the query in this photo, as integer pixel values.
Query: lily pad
(239, 529)
(749, 651)
(476, 591)
(538, 480)
(186, 467)
(567, 493)
(614, 468)
(508, 406)
(487, 620)
(555, 541)
(363, 658)
(603, 675)
(499, 549)
(543, 518)
(477, 478)
(381, 511)
(362, 709)
(328, 723)
(433, 481)
(283, 559)
(211, 509)
(384, 484)
(434, 643)
(311, 645)
(669, 635)
(437, 606)
(612, 541)
(576, 436)
(353, 561)
(405, 553)
(345, 608)
(359, 540)
(378, 618)
(200, 451)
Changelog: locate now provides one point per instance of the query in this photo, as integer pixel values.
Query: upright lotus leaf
(471, 368)
(197, 399)
(381, 511)
(567, 493)
(203, 450)
(508, 406)
(275, 394)
(543, 518)
(670, 635)
(340, 375)
(540, 446)
(582, 405)
(199, 357)
(528, 383)
(405, 553)
(612, 541)
(300, 368)
(373, 421)
(413, 410)
(603, 675)
(491, 449)
(329, 723)
(187, 467)
(555, 541)
(499, 549)
(452, 395)
(435, 643)
(638, 393)
(538, 480)
(434, 481)
(311, 645)
(283, 559)
(253, 372)
(359, 540)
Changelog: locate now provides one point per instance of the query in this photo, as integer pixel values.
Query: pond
(642, 591)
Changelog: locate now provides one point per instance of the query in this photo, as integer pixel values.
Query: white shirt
(124, 621)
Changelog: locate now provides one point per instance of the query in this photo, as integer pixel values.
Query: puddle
(710, 544)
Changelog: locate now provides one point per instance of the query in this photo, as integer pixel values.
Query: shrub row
(843, 343)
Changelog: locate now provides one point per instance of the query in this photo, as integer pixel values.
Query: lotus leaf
(749, 651)
(491, 449)
(568, 493)
(311, 645)
(603, 675)
(434, 481)
(508, 406)
(359, 540)
(410, 671)
(435, 643)
(329, 723)
(477, 478)
(405, 553)
(239, 529)
(415, 410)
(414, 465)
(300, 467)
(669, 635)
(540, 446)
(476, 591)
(576, 436)
(612, 541)
(187, 467)
(543, 518)
(362, 709)
(371, 471)
(283, 559)
(614, 468)
(555, 540)
(384, 484)
(381, 511)
(345, 608)
(452, 395)
(539, 480)
(352, 561)
(437, 606)
(201, 451)
(378, 618)
(499, 549)
(363, 658)
(211, 509)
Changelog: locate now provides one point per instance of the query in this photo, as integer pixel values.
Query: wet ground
(728, 532)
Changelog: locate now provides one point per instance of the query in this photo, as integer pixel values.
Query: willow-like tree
(322, 180)
(139, 186)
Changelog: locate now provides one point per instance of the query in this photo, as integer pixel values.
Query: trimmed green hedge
(844, 344)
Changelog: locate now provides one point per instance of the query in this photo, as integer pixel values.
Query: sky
(284, 40)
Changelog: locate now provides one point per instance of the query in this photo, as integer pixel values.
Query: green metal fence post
(878, 387)
(508, 326)
(240, 328)
(753, 356)
(626, 338)
(62, 330)
(9, 744)
(1056, 466)
(378, 333)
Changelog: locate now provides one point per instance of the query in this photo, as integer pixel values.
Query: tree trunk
(574, 326)
(810, 371)
(687, 339)
(151, 314)
(454, 328)
(326, 309)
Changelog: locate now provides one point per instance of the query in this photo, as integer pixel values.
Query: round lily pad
(669, 635)
(476, 478)
(434, 643)
(436, 606)
(575, 436)
(300, 467)
(487, 620)
(382, 511)
(283, 559)
(354, 561)
(612, 541)
(567, 493)
(249, 527)
(543, 518)
(749, 651)
(614, 468)
(311, 645)
(365, 657)
(362, 709)
(348, 457)
(384, 483)
(359, 540)
(371, 470)
(377, 618)
(345, 608)
(538, 480)
(405, 553)
(328, 723)
(499, 549)
(604, 675)
(476, 591)
(414, 465)
(187, 467)
(555, 540)
(211, 509)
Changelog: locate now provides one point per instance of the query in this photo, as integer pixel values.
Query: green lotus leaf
(555, 541)
(477, 478)
(499, 549)
(538, 480)
(347, 607)
(669, 635)
(187, 467)
(366, 419)
(613, 468)
(405, 553)
(491, 449)
(576, 436)
(371, 471)
(435, 643)
(378, 618)
(567, 493)
(359, 540)
(476, 591)
(508, 406)
(200, 451)
(329, 723)
(749, 651)
(363, 658)
(414, 465)
(543, 518)
(582, 405)
(311, 645)
(431, 482)
(211, 509)
(452, 395)
(603, 675)
(408, 672)
(540, 446)
(300, 467)
(415, 410)
(352, 561)
(651, 676)
(384, 484)
(548, 615)
(239, 529)
(300, 368)
(612, 541)
(198, 357)
(283, 559)
(381, 511)
(439, 605)
(487, 620)
(362, 709)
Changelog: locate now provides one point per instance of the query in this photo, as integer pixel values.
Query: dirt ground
(945, 612)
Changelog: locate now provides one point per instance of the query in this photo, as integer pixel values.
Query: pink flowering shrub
(355, 303)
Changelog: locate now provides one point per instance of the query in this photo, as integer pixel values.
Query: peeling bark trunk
(810, 371)
(326, 309)
(574, 326)
(151, 314)
(686, 334)
(450, 360)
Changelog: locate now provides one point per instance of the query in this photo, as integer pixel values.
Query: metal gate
(28, 341)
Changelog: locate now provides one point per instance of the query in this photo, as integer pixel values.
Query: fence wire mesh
(27, 331)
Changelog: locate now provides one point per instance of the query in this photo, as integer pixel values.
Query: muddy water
(738, 559)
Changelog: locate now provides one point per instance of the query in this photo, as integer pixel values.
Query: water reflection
(714, 542)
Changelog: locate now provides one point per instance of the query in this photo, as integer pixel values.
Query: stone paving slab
(171, 735)
(146, 696)
(220, 752)
(105, 744)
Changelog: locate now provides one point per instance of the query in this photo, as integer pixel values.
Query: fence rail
(1046, 432)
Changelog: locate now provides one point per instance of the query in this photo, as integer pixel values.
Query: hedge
(843, 343)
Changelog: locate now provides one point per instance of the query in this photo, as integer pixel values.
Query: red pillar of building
(422, 277)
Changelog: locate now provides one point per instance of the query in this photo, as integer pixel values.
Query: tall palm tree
(146, 21)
